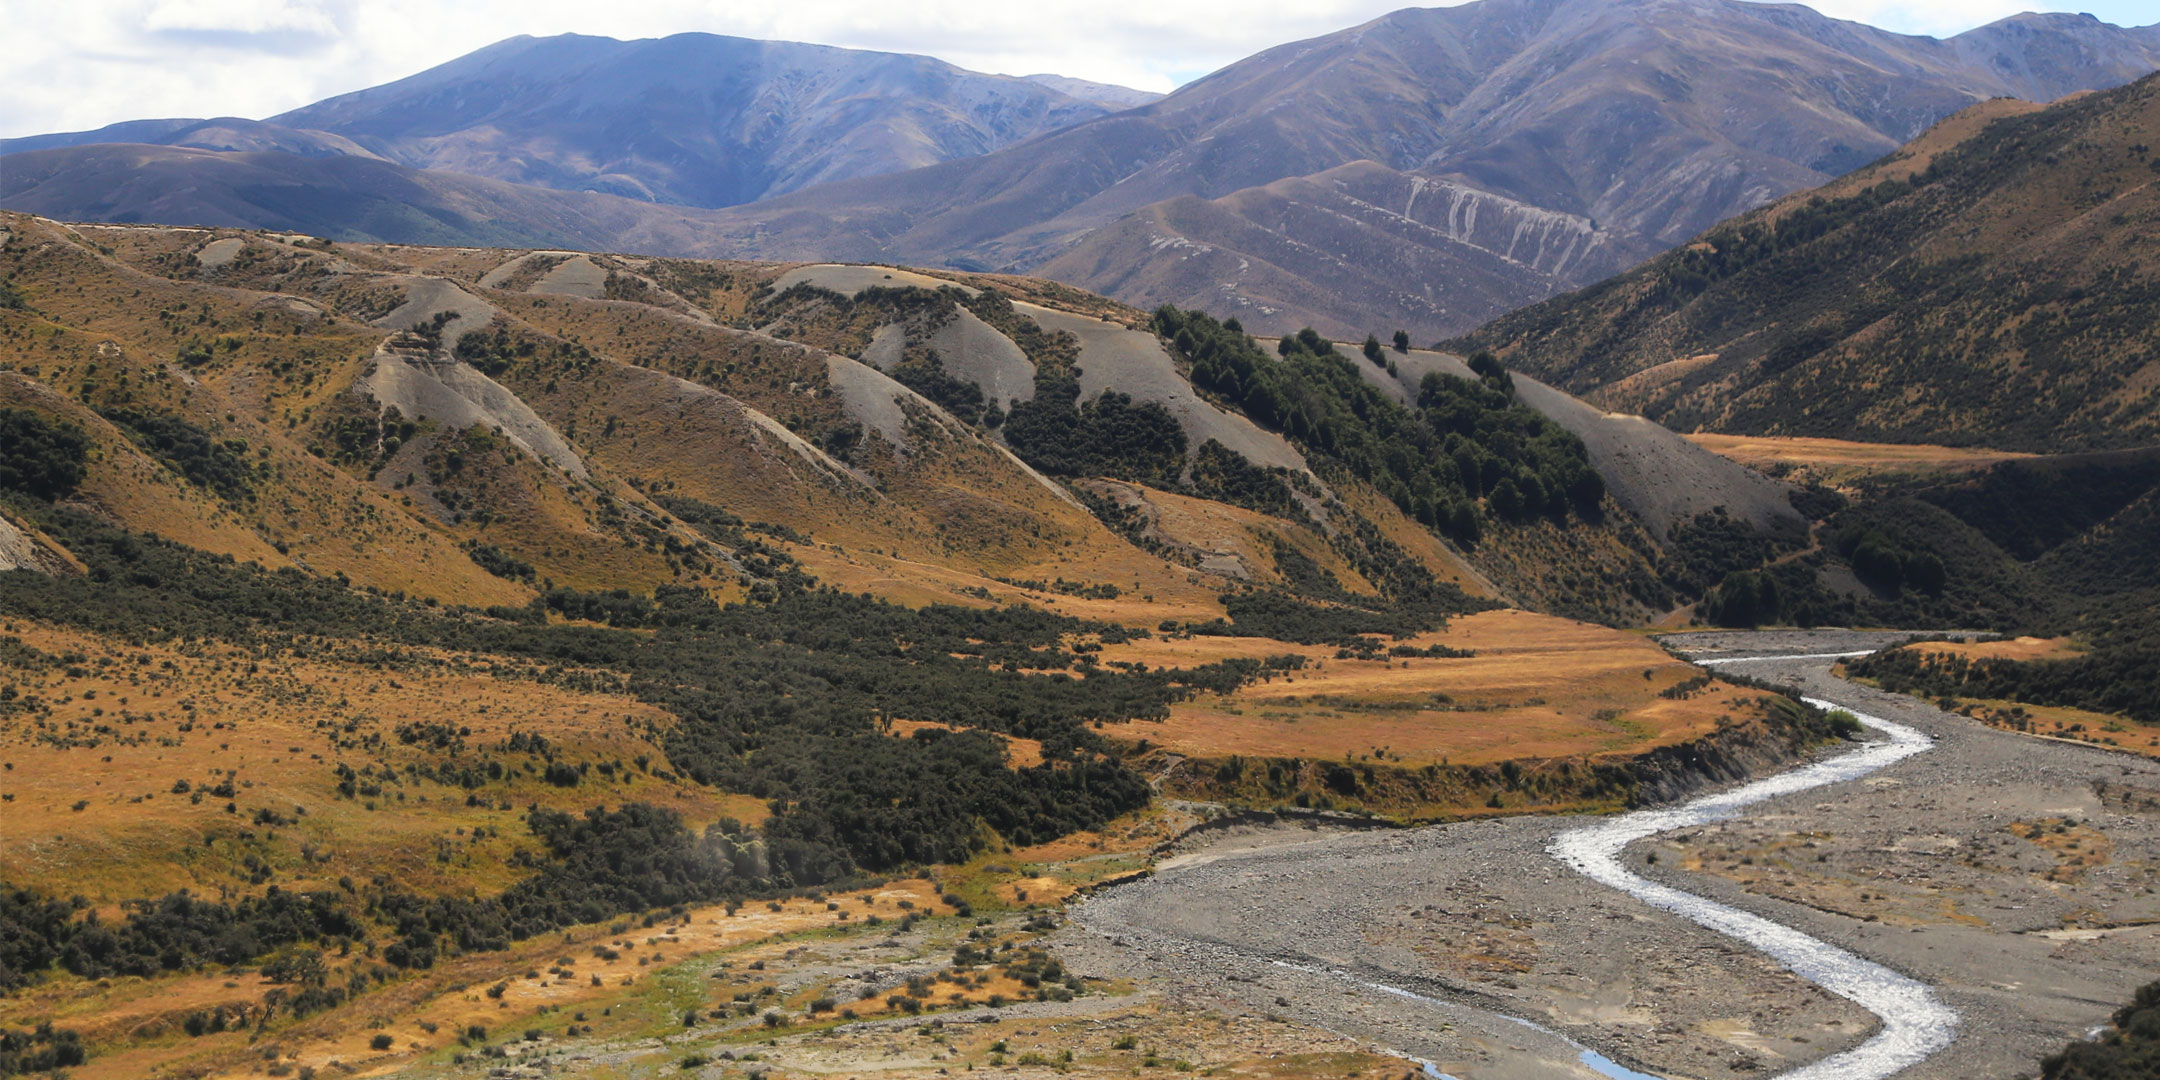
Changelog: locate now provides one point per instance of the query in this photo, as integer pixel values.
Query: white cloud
(85, 63)
(1937, 18)
(239, 17)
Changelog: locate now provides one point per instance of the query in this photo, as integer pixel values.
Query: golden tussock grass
(1838, 460)
(2022, 648)
(127, 731)
(1539, 686)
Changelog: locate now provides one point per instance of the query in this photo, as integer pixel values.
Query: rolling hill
(1988, 285)
(951, 435)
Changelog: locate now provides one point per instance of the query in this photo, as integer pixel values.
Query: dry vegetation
(1840, 463)
(114, 795)
(706, 469)
(2064, 722)
(2041, 721)
(1538, 687)
(2019, 648)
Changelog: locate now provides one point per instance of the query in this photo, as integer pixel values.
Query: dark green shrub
(40, 457)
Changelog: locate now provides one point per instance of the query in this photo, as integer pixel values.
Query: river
(1352, 932)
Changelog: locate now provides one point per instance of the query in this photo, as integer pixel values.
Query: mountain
(693, 119)
(1105, 94)
(696, 119)
(1427, 170)
(1988, 285)
(1595, 131)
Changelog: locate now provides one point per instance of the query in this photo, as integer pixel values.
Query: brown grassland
(1538, 687)
(2064, 722)
(2021, 648)
(131, 770)
(106, 797)
(1838, 462)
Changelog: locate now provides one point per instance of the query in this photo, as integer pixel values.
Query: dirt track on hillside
(1948, 867)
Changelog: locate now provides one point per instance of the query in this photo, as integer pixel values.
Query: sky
(78, 64)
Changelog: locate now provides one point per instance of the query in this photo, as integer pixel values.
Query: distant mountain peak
(696, 119)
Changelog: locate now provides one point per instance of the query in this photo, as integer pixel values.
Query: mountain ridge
(744, 118)
(1283, 189)
(1457, 94)
(693, 119)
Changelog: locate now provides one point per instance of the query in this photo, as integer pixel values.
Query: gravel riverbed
(2014, 875)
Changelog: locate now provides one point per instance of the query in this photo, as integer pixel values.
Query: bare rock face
(21, 551)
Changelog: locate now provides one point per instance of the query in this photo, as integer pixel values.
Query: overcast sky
(78, 64)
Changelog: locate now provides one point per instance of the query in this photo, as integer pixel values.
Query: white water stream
(1915, 1023)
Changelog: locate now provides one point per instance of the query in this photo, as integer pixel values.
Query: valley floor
(2014, 875)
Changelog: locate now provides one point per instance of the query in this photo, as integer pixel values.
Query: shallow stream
(1915, 1022)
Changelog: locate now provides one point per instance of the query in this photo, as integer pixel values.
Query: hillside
(386, 631)
(955, 438)
(1988, 285)
(542, 419)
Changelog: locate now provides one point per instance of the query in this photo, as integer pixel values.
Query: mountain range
(1435, 167)
(1427, 170)
(691, 119)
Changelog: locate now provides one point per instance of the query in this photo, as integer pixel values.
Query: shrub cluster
(40, 457)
